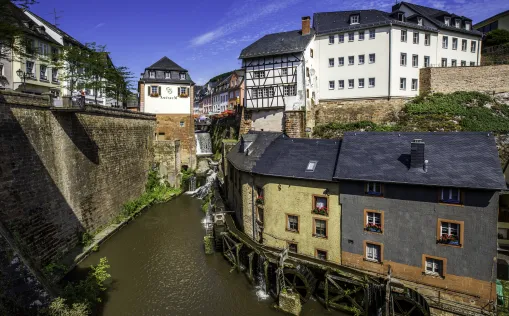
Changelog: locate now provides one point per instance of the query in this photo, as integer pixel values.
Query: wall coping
(295, 111)
(20, 98)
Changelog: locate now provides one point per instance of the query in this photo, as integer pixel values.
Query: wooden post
(237, 251)
(250, 273)
(266, 274)
(388, 293)
(327, 290)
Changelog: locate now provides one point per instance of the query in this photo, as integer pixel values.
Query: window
(419, 21)
(284, 71)
(44, 49)
(341, 38)
(464, 45)
(472, 47)
(372, 34)
(182, 123)
(331, 39)
(30, 69)
(403, 35)
(341, 61)
(361, 35)
(341, 84)
(350, 84)
(467, 26)
(320, 203)
(402, 83)
(260, 93)
(331, 62)
(373, 221)
(374, 188)
(320, 228)
(444, 62)
(457, 23)
(167, 75)
(43, 75)
(154, 90)
(454, 43)
(292, 223)
(371, 58)
(312, 164)
(371, 82)
(416, 38)
(351, 60)
(183, 91)
(403, 59)
(354, 19)
(445, 42)
(401, 16)
(415, 61)
(414, 84)
(350, 37)
(361, 59)
(292, 247)
(361, 83)
(454, 63)
(426, 61)
(472, 63)
(447, 21)
(373, 252)
(449, 232)
(331, 85)
(463, 63)
(321, 254)
(311, 53)
(427, 39)
(259, 74)
(182, 76)
(152, 74)
(54, 54)
(1, 70)
(434, 266)
(289, 90)
(450, 195)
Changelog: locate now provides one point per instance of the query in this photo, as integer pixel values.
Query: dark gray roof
(260, 142)
(175, 81)
(289, 157)
(456, 159)
(166, 64)
(278, 44)
(492, 18)
(66, 37)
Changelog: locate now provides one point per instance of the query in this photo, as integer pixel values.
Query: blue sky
(207, 36)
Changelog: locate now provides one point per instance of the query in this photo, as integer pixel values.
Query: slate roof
(464, 159)
(166, 64)
(289, 157)
(261, 140)
(57, 30)
(277, 44)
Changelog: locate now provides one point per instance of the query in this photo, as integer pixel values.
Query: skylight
(311, 166)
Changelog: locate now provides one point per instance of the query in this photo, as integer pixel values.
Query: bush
(496, 37)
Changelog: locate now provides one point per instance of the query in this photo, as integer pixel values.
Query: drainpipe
(304, 87)
(478, 52)
(252, 207)
(390, 61)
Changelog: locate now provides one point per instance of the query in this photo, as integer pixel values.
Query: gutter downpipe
(304, 87)
(390, 61)
(252, 207)
(478, 52)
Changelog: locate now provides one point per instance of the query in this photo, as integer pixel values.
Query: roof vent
(417, 154)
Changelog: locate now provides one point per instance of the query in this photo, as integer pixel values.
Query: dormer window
(467, 26)
(457, 23)
(182, 76)
(167, 75)
(311, 166)
(447, 21)
(419, 21)
(401, 16)
(354, 19)
(152, 74)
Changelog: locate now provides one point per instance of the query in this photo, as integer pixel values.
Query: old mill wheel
(300, 281)
(409, 303)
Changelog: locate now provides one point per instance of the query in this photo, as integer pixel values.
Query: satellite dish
(312, 72)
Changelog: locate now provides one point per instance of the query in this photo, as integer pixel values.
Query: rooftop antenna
(56, 17)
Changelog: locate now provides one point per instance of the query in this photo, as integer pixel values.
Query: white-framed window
(454, 43)
(182, 91)
(416, 38)
(43, 72)
(182, 123)
(167, 75)
(426, 61)
(463, 63)
(402, 83)
(341, 61)
(415, 60)
(434, 266)
(401, 16)
(374, 188)
(454, 63)
(354, 19)
(444, 62)
(373, 252)
(372, 34)
(320, 228)
(361, 35)
(427, 39)
(419, 21)
(331, 39)
(30, 71)
(351, 83)
(374, 218)
(351, 60)
(284, 71)
(403, 59)
(321, 254)
(361, 59)
(472, 63)
(331, 85)
(259, 74)
(154, 89)
(457, 23)
(472, 47)
(260, 93)
(341, 84)
(445, 42)
(351, 36)
(371, 82)
(182, 76)
(341, 38)
(44, 49)
(464, 45)
(450, 195)
(450, 229)
(403, 35)
(331, 62)
(361, 83)
(265, 93)
(467, 26)
(152, 74)
(293, 90)
(447, 21)
(414, 84)
(372, 58)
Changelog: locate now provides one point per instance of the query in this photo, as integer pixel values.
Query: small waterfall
(202, 191)
(192, 184)
(203, 144)
(261, 287)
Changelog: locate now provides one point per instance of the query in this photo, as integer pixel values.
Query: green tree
(97, 65)
(496, 37)
(119, 84)
(12, 30)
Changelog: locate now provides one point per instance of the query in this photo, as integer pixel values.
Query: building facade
(498, 21)
(166, 89)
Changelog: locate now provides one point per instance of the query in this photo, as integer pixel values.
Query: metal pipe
(390, 61)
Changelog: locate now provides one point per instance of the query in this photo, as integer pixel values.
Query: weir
(203, 144)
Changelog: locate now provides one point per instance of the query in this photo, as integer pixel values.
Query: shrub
(496, 37)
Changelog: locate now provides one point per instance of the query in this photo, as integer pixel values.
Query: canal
(159, 267)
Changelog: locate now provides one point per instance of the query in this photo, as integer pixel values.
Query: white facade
(223, 101)
(164, 98)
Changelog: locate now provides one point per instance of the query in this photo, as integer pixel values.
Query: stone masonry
(295, 125)
(167, 158)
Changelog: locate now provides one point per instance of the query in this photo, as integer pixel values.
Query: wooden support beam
(266, 275)
(237, 251)
(250, 272)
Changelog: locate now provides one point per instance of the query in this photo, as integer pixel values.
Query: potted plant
(374, 228)
(320, 211)
(448, 240)
(259, 200)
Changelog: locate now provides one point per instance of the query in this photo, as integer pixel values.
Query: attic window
(152, 74)
(419, 21)
(401, 16)
(311, 166)
(457, 23)
(447, 21)
(354, 19)
(182, 76)
(167, 75)
(467, 26)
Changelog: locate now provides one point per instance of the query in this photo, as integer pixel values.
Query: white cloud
(99, 25)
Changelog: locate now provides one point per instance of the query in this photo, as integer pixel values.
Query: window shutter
(149, 90)
(159, 90)
(187, 91)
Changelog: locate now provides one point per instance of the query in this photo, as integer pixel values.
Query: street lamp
(23, 76)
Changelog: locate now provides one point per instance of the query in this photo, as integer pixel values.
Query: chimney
(417, 154)
(306, 25)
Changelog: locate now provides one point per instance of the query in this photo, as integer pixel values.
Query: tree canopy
(496, 37)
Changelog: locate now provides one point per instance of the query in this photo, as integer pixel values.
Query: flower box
(449, 240)
(374, 228)
(183, 95)
(321, 211)
(154, 95)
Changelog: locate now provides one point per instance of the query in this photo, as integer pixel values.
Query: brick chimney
(417, 154)
(306, 25)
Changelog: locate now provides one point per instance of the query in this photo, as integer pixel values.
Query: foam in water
(203, 144)
(261, 287)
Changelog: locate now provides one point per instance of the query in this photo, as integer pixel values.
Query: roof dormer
(457, 22)
(419, 21)
(447, 20)
(355, 18)
(401, 16)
